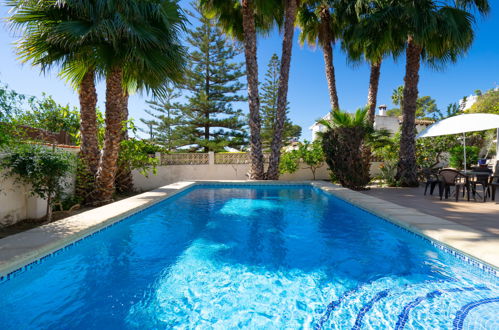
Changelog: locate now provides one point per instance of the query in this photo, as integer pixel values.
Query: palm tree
(42, 45)
(365, 36)
(319, 26)
(145, 54)
(290, 12)
(344, 145)
(436, 32)
(135, 46)
(242, 19)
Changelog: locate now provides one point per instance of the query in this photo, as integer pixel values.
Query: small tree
(42, 169)
(310, 154)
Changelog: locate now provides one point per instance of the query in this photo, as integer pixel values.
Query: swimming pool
(253, 257)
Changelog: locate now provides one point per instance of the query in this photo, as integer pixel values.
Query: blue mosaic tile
(404, 315)
(458, 322)
(367, 307)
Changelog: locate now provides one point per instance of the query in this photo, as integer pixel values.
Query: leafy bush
(430, 151)
(345, 150)
(290, 162)
(456, 159)
(310, 153)
(388, 170)
(44, 170)
(486, 103)
(134, 155)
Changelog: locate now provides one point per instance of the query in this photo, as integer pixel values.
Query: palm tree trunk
(124, 179)
(114, 116)
(372, 95)
(89, 146)
(407, 168)
(282, 92)
(256, 171)
(327, 51)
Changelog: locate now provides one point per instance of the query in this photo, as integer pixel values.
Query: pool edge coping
(110, 214)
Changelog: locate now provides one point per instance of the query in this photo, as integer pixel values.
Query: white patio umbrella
(461, 124)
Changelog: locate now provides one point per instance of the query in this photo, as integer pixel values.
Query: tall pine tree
(213, 84)
(164, 127)
(268, 107)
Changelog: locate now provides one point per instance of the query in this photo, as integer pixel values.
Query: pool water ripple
(251, 257)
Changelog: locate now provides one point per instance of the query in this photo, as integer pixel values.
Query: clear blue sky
(308, 96)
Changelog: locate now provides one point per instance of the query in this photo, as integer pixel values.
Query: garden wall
(210, 166)
(16, 204)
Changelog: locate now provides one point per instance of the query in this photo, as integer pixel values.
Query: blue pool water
(251, 257)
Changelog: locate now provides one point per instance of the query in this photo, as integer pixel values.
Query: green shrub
(456, 159)
(388, 170)
(310, 153)
(43, 169)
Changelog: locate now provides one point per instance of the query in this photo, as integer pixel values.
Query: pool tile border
(21, 262)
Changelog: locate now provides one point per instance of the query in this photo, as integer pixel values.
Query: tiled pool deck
(475, 214)
(21, 249)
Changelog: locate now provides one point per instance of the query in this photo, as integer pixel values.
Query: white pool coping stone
(19, 250)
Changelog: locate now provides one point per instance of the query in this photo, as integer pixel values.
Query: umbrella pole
(464, 141)
(497, 147)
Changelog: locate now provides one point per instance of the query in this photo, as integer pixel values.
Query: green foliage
(7, 136)
(205, 120)
(310, 154)
(167, 117)
(388, 171)
(212, 84)
(10, 101)
(426, 106)
(429, 151)
(136, 155)
(290, 161)
(140, 37)
(42, 113)
(268, 108)
(453, 109)
(486, 103)
(45, 113)
(456, 159)
(43, 169)
(344, 145)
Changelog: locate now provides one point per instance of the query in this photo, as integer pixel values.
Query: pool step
(441, 304)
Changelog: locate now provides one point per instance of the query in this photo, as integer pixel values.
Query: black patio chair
(431, 179)
(452, 178)
(481, 179)
(493, 185)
